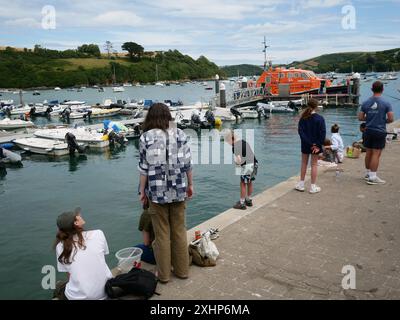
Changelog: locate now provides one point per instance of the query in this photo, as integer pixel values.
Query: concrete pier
(294, 245)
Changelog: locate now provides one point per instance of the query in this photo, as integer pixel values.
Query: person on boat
(337, 144)
(376, 112)
(247, 166)
(312, 132)
(81, 254)
(165, 183)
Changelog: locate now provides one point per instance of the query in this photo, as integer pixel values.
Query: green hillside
(381, 61)
(242, 70)
(49, 68)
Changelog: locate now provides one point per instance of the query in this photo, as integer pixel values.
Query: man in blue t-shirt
(377, 113)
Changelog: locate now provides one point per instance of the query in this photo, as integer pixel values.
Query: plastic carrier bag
(207, 248)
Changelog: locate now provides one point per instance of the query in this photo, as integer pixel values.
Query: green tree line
(43, 67)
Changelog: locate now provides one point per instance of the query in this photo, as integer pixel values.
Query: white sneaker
(315, 189)
(300, 187)
(366, 177)
(375, 181)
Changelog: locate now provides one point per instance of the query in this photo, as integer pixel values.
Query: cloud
(23, 22)
(116, 18)
(322, 3)
(152, 39)
(206, 9)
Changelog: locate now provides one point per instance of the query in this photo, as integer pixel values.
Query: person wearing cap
(81, 254)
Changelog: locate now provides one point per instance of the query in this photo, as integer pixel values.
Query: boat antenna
(265, 53)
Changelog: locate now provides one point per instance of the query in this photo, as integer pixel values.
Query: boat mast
(156, 72)
(114, 77)
(265, 53)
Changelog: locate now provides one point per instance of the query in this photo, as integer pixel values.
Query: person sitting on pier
(80, 253)
(247, 169)
(360, 143)
(327, 154)
(337, 144)
(312, 131)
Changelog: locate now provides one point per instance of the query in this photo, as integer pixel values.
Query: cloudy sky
(226, 31)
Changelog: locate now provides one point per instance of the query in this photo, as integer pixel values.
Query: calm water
(105, 185)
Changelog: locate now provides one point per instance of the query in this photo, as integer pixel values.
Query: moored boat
(118, 89)
(291, 81)
(8, 124)
(92, 138)
(44, 146)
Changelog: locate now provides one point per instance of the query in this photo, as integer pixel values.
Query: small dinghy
(44, 146)
(8, 124)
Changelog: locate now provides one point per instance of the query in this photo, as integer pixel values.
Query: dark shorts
(306, 148)
(375, 140)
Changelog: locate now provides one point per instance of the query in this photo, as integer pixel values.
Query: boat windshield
(312, 74)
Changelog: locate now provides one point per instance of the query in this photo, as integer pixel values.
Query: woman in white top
(337, 144)
(81, 254)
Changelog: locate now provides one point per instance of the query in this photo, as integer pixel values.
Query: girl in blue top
(312, 131)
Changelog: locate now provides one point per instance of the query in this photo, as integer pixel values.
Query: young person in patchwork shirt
(165, 183)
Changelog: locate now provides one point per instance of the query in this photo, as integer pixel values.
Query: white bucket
(127, 258)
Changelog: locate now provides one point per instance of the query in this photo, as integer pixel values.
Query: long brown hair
(66, 237)
(158, 117)
(312, 105)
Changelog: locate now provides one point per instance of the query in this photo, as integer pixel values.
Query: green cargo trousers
(170, 243)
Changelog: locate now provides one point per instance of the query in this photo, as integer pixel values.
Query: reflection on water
(75, 160)
(104, 184)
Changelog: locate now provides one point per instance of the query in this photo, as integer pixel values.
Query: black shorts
(374, 140)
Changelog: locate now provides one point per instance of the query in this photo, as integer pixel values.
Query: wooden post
(222, 96)
(356, 91)
(20, 98)
(216, 84)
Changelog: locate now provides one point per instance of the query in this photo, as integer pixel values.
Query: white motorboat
(388, 76)
(92, 138)
(72, 103)
(57, 88)
(276, 108)
(127, 85)
(15, 124)
(159, 84)
(118, 89)
(6, 102)
(44, 146)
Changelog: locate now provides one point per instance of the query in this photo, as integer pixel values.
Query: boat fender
(218, 122)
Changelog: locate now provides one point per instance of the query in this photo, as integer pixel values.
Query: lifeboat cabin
(285, 82)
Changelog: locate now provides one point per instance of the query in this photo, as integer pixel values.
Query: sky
(227, 32)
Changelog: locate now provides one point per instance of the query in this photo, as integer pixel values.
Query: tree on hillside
(134, 49)
(90, 49)
(108, 46)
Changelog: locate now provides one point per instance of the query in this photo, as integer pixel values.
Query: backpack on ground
(136, 282)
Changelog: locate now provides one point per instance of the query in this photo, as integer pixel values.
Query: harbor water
(105, 184)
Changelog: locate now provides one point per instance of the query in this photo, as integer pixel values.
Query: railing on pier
(239, 97)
